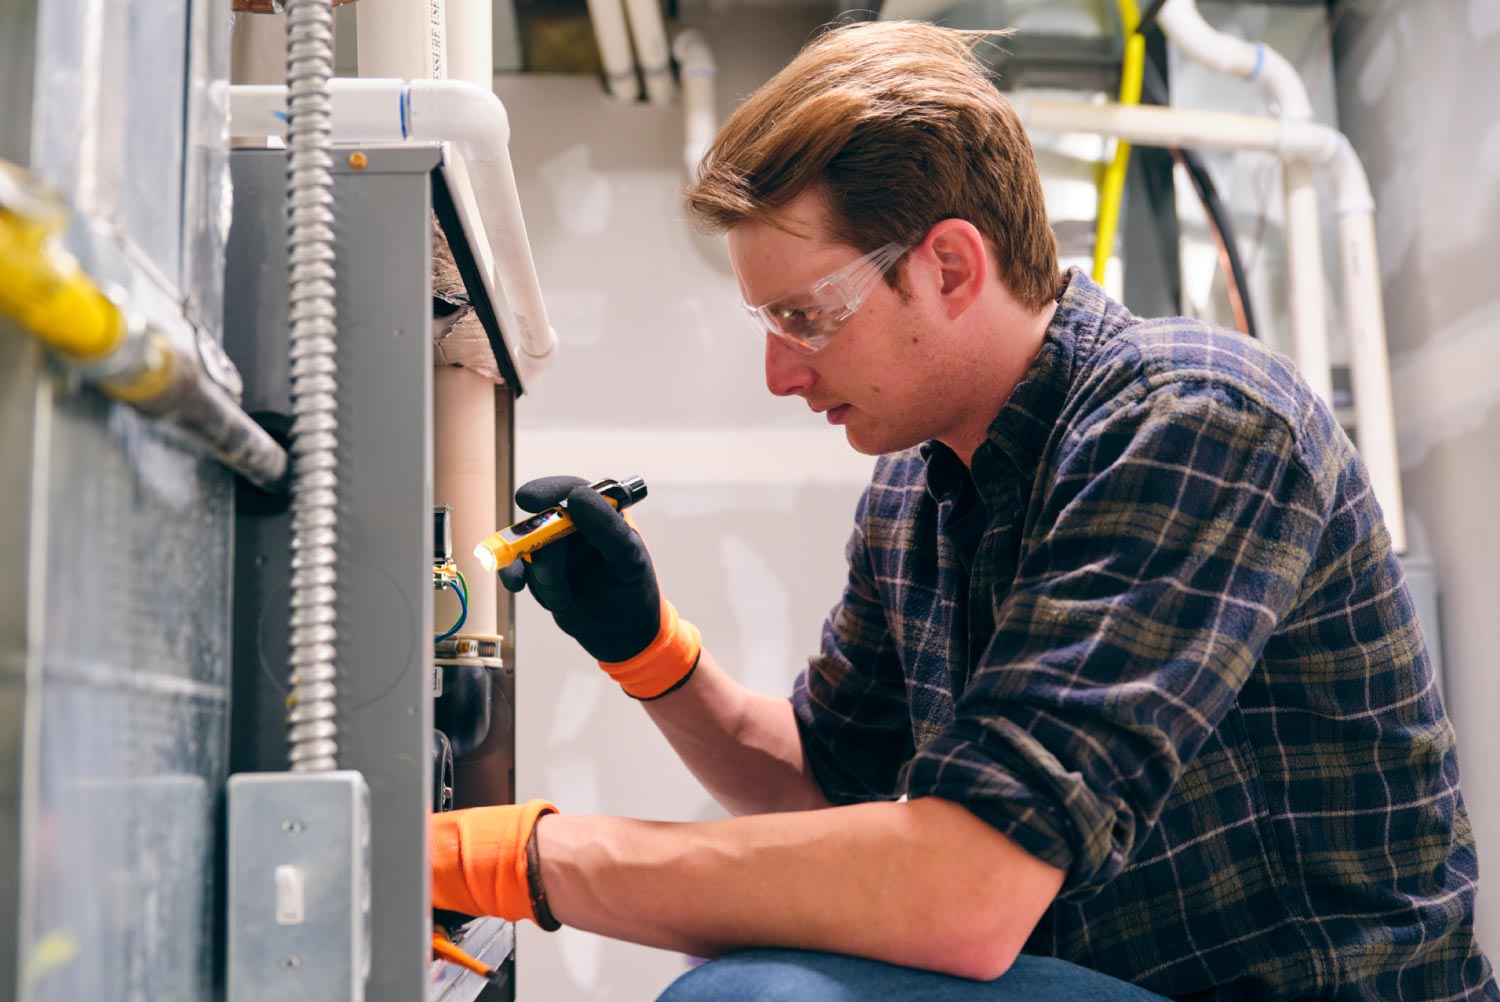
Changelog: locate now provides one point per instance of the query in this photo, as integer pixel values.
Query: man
(1125, 696)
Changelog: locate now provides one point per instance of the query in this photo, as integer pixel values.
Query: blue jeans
(796, 976)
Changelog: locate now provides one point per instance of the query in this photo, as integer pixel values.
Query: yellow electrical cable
(1112, 185)
(41, 286)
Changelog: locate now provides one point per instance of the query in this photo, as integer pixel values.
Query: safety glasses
(808, 320)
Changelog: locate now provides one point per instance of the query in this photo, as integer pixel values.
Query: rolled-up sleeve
(850, 702)
(1172, 537)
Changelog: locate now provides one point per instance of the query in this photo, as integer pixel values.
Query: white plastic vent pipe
(463, 402)
(455, 111)
(1201, 42)
(1312, 145)
(401, 38)
(470, 41)
(649, 31)
(615, 54)
(1185, 27)
(699, 74)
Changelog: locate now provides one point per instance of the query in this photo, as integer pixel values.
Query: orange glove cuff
(662, 665)
(479, 859)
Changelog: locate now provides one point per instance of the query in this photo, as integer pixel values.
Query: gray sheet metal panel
(109, 118)
(385, 571)
(24, 407)
(17, 78)
(114, 695)
(134, 708)
(206, 190)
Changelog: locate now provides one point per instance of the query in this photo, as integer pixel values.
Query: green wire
(463, 595)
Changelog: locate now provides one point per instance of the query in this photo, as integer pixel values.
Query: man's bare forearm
(924, 884)
(741, 745)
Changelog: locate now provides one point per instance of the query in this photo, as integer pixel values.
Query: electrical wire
(1218, 216)
(1222, 230)
(463, 615)
(453, 954)
(1112, 183)
(1148, 18)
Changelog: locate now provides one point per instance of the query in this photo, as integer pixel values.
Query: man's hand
(601, 589)
(479, 861)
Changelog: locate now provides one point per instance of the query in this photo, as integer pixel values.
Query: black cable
(1149, 17)
(1155, 89)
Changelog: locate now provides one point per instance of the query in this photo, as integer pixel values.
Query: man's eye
(801, 318)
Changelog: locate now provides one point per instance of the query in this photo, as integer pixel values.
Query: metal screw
(292, 826)
(291, 962)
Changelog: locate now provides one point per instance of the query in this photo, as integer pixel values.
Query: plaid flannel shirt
(1156, 635)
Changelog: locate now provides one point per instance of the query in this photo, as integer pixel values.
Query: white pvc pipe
(463, 470)
(401, 38)
(1371, 370)
(1294, 141)
(1185, 27)
(463, 403)
(1182, 23)
(1304, 275)
(699, 73)
(1151, 126)
(257, 49)
(470, 42)
(650, 34)
(615, 54)
(1201, 42)
(453, 111)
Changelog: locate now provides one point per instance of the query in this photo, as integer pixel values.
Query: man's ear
(963, 263)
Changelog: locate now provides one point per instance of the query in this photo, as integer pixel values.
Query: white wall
(752, 496)
(1417, 86)
(659, 375)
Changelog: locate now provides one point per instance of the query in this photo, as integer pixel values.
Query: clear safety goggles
(806, 321)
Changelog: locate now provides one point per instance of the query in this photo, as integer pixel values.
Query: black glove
(598, 583)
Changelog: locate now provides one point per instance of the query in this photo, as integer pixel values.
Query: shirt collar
(1017, 437)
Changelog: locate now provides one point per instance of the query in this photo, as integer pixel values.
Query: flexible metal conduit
(314, 385)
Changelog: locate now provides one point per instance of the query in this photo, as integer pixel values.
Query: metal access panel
(384, 606)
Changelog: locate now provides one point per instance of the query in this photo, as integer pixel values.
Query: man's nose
(787, 371)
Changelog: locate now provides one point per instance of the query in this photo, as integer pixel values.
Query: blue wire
(462, 616)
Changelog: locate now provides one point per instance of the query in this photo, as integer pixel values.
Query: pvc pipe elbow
(694, 57)
(459, 111)
(1325, 146)
(1351, 185)
(1182, 23)
(531, 366)
(692, 158)
(1310, 142)
(1280, 80)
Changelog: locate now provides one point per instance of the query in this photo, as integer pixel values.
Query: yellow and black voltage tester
(531, 534)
